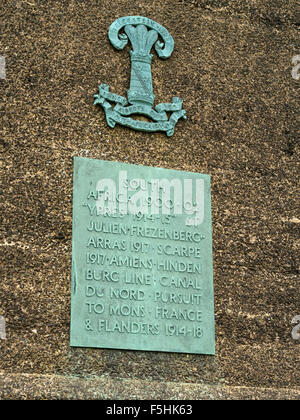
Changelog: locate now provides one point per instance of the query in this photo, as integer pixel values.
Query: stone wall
(232, 67)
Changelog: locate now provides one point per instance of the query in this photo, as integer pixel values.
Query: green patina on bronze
(140, 95)
(142, 276)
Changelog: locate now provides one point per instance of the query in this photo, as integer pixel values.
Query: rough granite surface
(232, 67)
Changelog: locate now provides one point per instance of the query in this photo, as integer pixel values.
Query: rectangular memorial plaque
(142, 275)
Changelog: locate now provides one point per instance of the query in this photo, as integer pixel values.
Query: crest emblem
(143, 33)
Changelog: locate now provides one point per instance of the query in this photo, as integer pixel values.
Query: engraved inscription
(142, 273)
